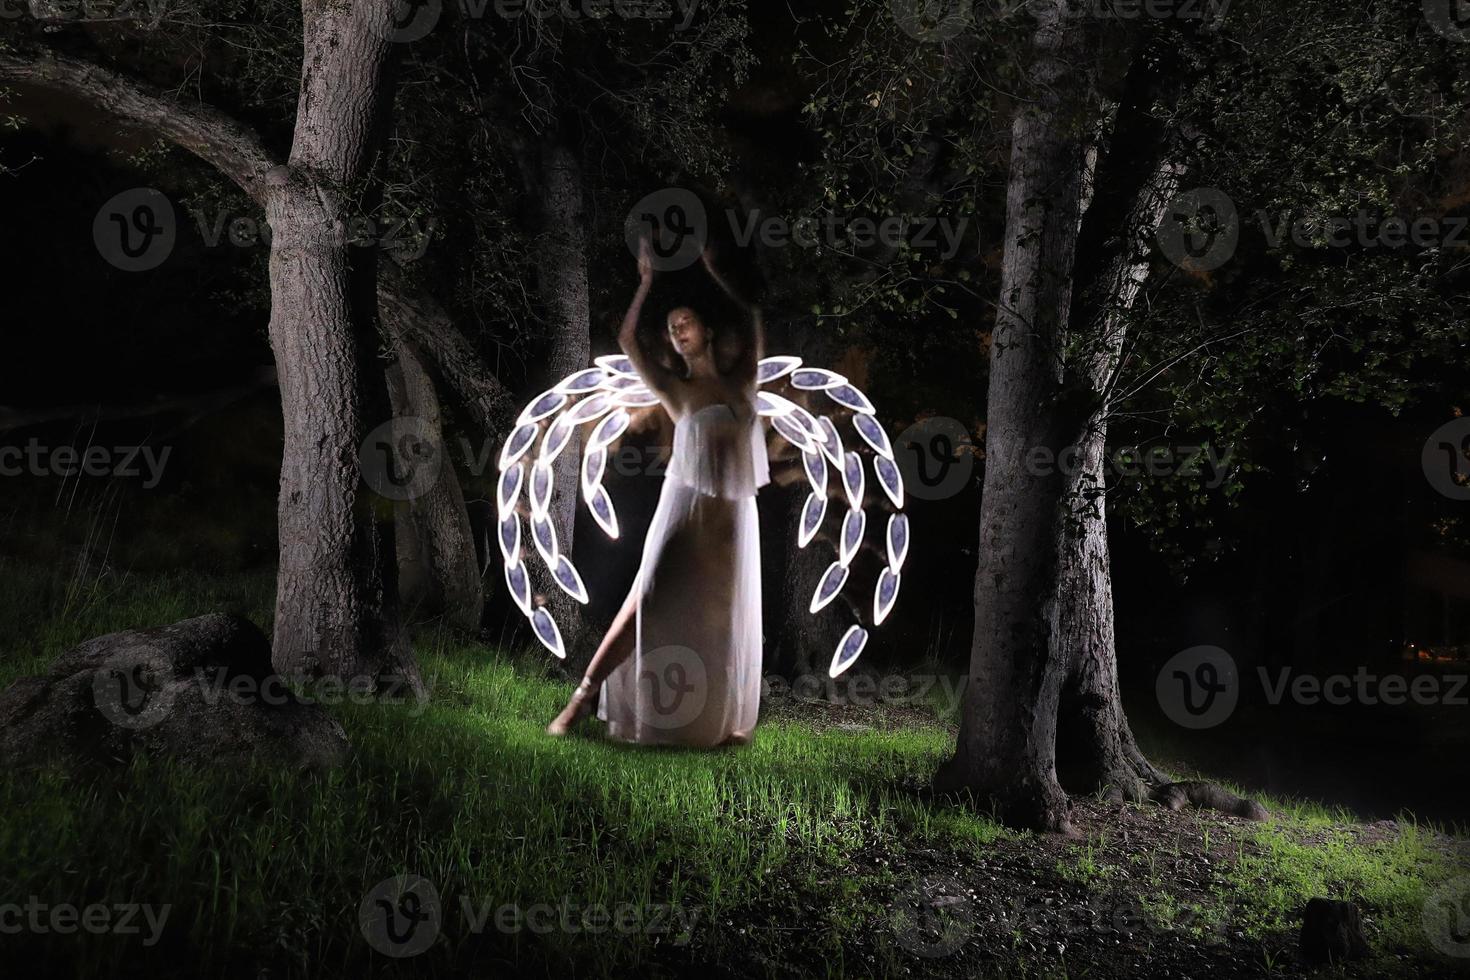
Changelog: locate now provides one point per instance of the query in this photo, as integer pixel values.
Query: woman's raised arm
(655, 374)
(748, 346)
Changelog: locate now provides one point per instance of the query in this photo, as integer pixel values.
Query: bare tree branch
(217, 138)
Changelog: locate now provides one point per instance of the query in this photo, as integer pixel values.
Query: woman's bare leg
(615, 647)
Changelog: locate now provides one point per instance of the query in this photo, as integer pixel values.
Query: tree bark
(437, 568)
(1005, 755)
(1140, 174)
(561, 288)
(334, 616)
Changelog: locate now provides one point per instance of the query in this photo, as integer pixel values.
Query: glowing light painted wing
(616, 364)
(519, 442)
(601, 397)
(853, 526)
(889, 479)
(848, 649)
(885, 594)
(566, 576)
(508, 489)
(791, 411)
(898, 540)
(518, 581)
(816, 471)
(545, 629)
(541, 486)
(830, 584)
(849, 397)
(873, 435)
(546, 404)
(771, 368)
(510, 538)
(816, 379)
(581, 382)
(812, 513)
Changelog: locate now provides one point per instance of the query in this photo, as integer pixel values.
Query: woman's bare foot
(583, 700)
(737, 738)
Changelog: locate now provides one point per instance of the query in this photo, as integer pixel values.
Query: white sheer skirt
(694, 677)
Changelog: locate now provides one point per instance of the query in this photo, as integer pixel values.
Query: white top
(718, 454)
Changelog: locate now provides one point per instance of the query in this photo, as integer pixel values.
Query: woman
(681, 662)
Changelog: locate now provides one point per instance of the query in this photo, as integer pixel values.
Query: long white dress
(695, 674)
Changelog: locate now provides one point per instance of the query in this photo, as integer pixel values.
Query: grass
(782, 858)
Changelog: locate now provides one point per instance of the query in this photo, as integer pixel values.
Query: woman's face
(687, 332)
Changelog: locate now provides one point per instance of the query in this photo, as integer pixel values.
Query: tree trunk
(1139, 177)
(1005, 754)
(437, 569)
(334, 616)
(562, 291)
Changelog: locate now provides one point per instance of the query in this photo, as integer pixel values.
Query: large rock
(202, 689)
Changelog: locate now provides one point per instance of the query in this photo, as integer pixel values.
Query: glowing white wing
(601, 397)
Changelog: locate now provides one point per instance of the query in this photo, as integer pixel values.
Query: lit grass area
(266, 867)
(780, 858)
